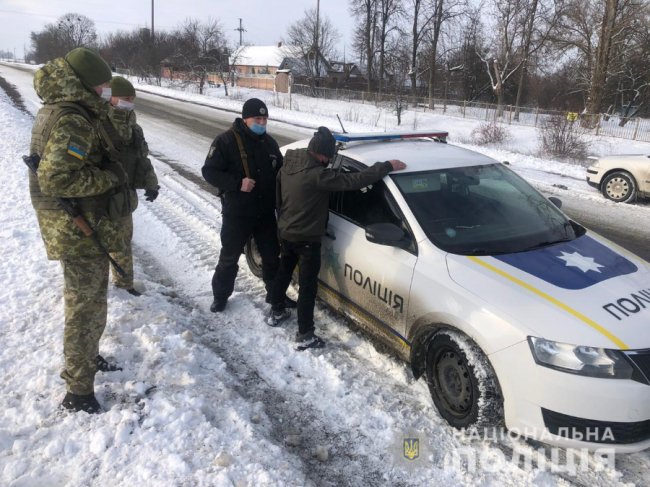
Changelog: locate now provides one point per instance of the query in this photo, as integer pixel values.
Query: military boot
(81, 402)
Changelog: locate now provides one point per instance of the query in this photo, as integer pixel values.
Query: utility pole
(241, 31)
(152, 21)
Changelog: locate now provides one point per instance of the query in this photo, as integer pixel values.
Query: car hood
(584, 292)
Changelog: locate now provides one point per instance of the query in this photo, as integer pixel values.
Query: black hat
(254, 108)
(323, 143)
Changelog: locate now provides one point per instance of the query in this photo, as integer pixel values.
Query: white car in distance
(621, 178)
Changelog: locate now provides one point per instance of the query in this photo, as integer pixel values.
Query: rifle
(71, 207)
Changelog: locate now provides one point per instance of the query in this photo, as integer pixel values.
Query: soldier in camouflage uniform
(128, 139)
(74, 164)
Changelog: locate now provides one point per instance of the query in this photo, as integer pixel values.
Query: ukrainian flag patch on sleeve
(77, 148)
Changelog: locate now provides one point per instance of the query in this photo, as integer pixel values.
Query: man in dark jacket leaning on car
(242, 163)
(302, 198)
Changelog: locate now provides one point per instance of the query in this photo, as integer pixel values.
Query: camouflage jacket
(72, 165)
(128, 138)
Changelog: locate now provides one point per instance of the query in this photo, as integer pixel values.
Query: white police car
(513, 312)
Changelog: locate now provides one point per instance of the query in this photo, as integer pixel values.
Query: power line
(55, 17)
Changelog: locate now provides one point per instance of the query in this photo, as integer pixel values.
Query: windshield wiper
(546, 244)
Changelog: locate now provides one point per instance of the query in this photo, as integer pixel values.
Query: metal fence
(602, 124)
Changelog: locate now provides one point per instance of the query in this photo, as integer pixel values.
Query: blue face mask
(258, 129)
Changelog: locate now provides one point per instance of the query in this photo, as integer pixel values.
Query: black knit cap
(323, 143)
(254, 108)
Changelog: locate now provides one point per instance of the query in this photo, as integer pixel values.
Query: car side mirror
(387, 234)
(556, 201)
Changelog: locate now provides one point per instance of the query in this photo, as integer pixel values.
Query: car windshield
(483, 210)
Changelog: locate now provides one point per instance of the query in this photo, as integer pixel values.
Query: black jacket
(223, 168)
(303, 190)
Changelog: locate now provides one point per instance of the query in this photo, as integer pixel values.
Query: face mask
(106, 94)
(258, 129)
(125, 105)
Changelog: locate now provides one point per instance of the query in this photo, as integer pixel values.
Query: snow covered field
(223, 399)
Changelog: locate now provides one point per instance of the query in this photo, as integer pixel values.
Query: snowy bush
(490, 133)
(560, 137)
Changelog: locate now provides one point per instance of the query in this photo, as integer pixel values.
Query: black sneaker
(276, 318)
(104, 365)
(218, 306)
(132, 291)
(288, 302)
(308, 340)
(77, 402)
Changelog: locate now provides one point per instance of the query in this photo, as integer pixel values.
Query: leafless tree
(388, 12)
(56, 39)
(365, 11)
(501, 57)
(316, 46)
(201, 49)
(397, 67)
(540, 19)
(421, 16)
(597, 33)
(443, 11)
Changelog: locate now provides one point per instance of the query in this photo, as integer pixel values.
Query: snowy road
(233, 404)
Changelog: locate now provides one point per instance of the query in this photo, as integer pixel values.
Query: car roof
(419, 154)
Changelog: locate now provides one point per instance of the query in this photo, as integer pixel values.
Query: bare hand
(397, 164)
(247, 185)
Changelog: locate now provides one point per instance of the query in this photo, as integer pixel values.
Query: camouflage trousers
(84, 294)
(125, 258)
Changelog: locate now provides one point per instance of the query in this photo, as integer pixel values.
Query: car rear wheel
(253, 257)
(619, 186)
(462, 383)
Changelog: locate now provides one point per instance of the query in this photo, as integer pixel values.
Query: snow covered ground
(223, 399)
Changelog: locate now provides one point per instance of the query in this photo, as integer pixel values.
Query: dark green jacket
(302, 193)
(128, 138)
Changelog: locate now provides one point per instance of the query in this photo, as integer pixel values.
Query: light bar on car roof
(391, 135)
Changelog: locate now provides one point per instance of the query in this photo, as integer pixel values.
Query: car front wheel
(253, 257)
(619, 186)
(462, 383)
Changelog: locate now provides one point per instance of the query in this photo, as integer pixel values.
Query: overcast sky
(265, 21)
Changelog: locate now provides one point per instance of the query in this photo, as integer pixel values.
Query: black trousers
(235, 231)
(308, 255)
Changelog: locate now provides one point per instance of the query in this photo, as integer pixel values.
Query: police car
(514, 313)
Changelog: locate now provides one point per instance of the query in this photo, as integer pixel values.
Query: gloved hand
(151, 194)
(117, 171)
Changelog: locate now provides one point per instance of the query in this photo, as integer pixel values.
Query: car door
(372, 281)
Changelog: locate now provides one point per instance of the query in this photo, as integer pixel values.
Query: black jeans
(308, 255)
(235, 231)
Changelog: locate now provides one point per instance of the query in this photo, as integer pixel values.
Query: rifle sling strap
(242, 153)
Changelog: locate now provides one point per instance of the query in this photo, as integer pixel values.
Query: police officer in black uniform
(242, 163)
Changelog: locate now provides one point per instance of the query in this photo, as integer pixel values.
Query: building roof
(271, 56)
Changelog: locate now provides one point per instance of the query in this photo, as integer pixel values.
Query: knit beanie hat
(254, 108)
(323, 143)
(89, 66)
(121, 87)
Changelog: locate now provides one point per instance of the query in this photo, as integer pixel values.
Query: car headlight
(581, 360)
